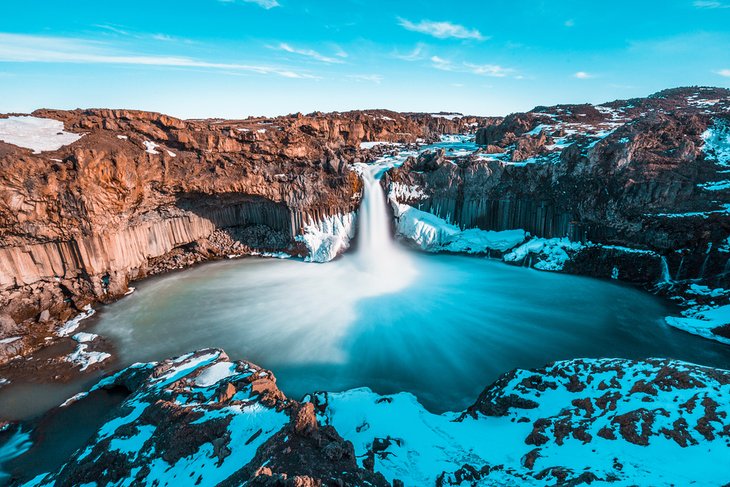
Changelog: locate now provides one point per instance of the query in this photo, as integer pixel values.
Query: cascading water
(386, 267)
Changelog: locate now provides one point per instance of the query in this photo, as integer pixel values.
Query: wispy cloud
(121, 31)
(583, 75)
(41, 49)
(310, 53)
(372, 78)
(491, 70)
(418, 53)
(267, 4)
(442, 30)
(723, 72)
(708, 4)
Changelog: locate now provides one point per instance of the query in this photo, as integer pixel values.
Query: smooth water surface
(459, 324)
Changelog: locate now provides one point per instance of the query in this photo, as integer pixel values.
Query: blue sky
(234, 58)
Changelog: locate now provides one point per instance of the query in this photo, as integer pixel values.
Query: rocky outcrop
(140, 193)
(203, 419)
(644, 173)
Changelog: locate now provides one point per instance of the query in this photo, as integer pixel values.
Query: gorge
(631, 190)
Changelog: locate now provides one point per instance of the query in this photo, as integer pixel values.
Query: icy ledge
(433, 234)
(328, 238)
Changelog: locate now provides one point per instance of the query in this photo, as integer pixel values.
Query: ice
(327, 238)
(37, 134)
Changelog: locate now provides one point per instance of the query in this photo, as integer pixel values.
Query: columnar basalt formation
(139, 193)
(645, 173)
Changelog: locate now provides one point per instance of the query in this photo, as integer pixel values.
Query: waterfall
(389, 267)
(704, 263)
(666, 277)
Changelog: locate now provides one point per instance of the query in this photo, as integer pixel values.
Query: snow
(5, 341)
(150, 147)
(716, 185)
(552, 253)
(447, 116)
(717, 143)
(373, 144)
(170, 153)
(403, 192)
(73, 399)
(215, 373)
(327, 238)
(423, 445)
(71, 325)
(434, 234)
(85, 358)
(701, 320)
(85, 337)
(122, 137)
(35, 133)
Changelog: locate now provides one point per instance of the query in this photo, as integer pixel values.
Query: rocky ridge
(205, 420)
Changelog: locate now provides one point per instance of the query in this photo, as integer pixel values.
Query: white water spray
(387, 266)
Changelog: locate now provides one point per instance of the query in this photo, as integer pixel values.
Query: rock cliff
(125, 194)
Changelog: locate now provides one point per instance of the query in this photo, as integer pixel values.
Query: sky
(235, 58)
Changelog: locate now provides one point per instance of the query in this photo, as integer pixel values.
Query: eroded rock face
(141, 193)
(643, 173)
(203, 419)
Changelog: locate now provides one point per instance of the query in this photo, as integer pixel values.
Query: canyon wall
(644, 173)
(140, 193)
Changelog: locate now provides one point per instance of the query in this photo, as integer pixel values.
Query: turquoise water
(456, 326)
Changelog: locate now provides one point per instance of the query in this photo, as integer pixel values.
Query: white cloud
(724, 72)
(416, 54)
(569, 23)
(442, 30)
(267, 4)
(583, 75)
(41, 49)
(492, 70)
(710, 4)
(310, 53)
(373, 78)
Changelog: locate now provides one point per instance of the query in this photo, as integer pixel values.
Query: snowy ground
(38, 134)
(201, 418)
(624, 422)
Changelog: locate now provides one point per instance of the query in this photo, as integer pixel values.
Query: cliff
(647, 174)
(92, 199)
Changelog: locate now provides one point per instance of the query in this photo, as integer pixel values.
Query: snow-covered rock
(717, 143)
(327, 238)
(607, 421)
(38, 134)
(552, 253)
(435, 234)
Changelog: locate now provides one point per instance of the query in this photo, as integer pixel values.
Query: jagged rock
(569, 423)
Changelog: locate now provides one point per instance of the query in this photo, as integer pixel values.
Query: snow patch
(70, 326)
(150, 147)
(35, 133)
